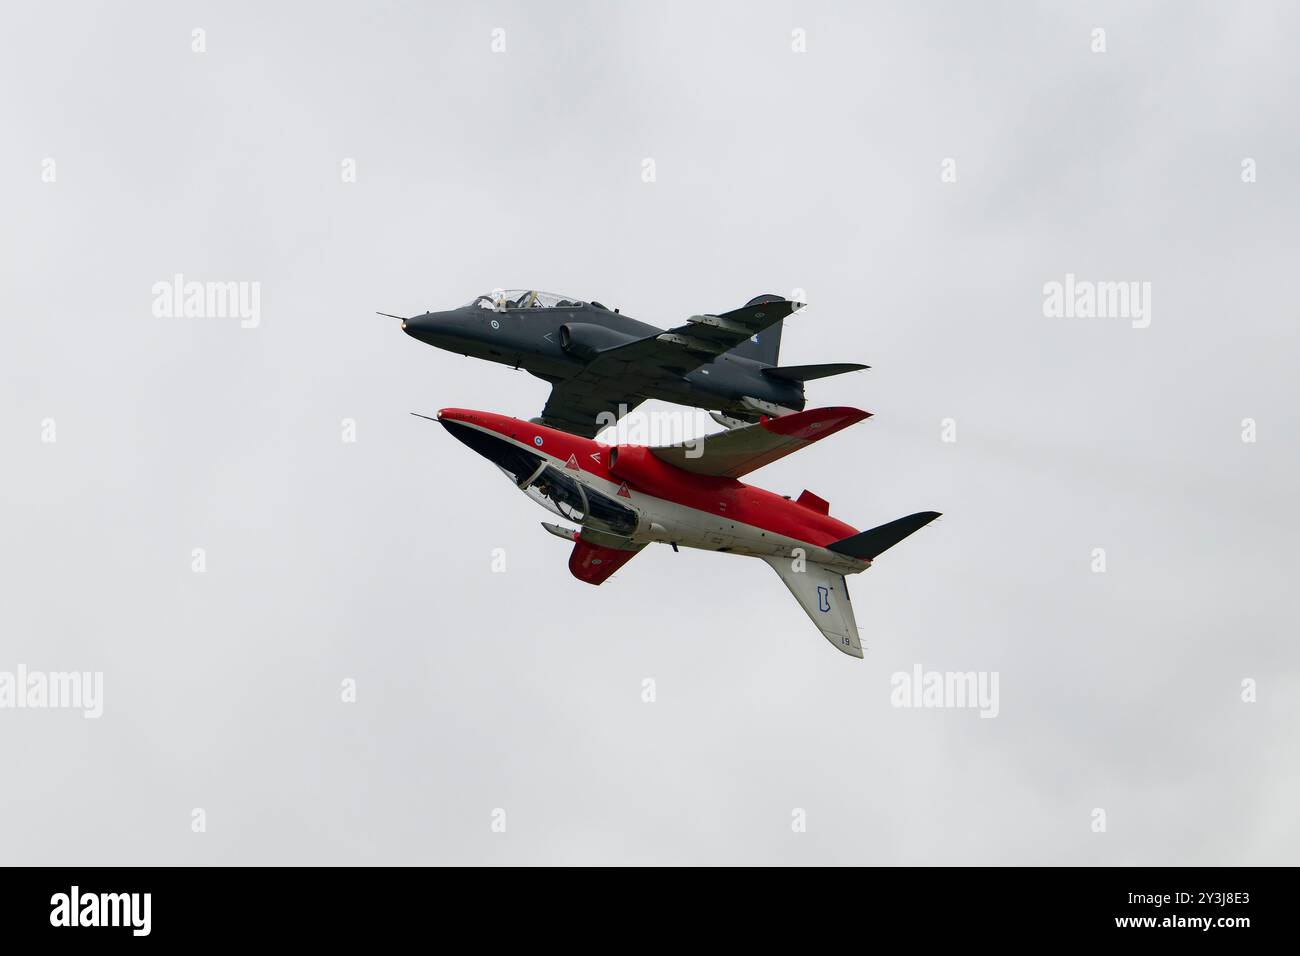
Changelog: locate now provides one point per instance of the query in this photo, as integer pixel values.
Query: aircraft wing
(705, 337)
(618, 376)
(824, 596)
(596, 556)
(577, 404)
(739, 451)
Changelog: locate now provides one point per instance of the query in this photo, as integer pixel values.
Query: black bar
(368, 905)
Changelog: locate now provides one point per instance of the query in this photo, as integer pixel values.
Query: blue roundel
(538, 441)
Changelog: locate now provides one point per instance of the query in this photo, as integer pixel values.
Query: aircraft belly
(692, 392)
(690, 532)
(667, 522)
(671, 523)
(705, 531)
(553, 367)
(765, 544)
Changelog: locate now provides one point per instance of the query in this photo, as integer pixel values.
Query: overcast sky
(774, 171)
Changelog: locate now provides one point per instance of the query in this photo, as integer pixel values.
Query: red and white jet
(624, 497)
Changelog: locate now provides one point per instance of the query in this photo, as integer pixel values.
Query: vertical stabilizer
(764, 347)
(824, 596)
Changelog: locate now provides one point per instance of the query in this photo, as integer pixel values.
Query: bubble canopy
(510, 299)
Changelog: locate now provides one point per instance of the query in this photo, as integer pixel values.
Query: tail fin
(806, 373)
(866, 545)
(824, 596)
(766, 346)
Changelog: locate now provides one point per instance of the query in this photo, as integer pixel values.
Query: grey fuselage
(530, 338)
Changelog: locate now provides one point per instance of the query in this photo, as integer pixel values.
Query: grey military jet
(602, 364)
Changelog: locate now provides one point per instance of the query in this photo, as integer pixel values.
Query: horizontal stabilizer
(867, 544)
(739, 451)
(806, 373)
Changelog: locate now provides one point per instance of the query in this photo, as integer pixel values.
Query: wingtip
(817, 422)
(850, 414)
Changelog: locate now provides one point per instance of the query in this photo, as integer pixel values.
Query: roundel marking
(537, 440)
(496, 324)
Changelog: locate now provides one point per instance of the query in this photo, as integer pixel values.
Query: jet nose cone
(438, 329)
(415, 324)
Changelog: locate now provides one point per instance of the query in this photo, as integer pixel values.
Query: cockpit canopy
(504, 300)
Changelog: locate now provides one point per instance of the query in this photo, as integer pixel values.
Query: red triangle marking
(623, 492)
(572, 462)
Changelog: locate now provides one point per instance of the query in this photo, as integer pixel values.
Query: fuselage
(625, 491)
(548, 342)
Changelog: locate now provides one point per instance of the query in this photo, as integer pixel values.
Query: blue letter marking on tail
(823, 599)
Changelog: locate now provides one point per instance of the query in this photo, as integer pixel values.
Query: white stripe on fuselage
(690, 527)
